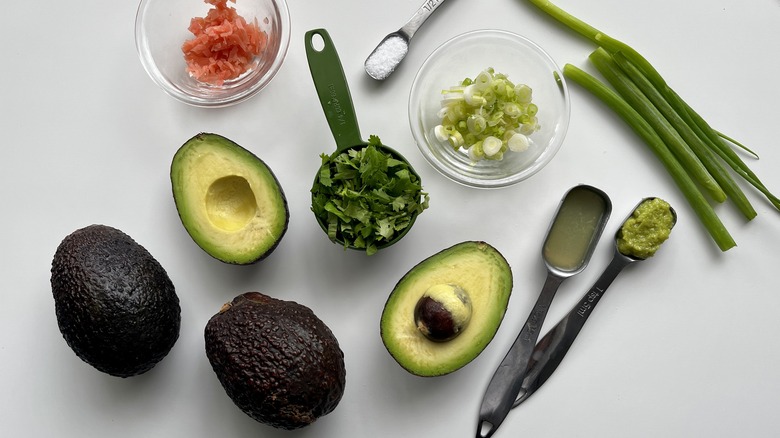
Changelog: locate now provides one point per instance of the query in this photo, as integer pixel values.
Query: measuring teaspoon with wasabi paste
(573, 234)
(637, 239)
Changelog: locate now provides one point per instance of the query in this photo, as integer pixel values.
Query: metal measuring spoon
(394, 47)
(551, 349)
(571, 239)
(336, 100)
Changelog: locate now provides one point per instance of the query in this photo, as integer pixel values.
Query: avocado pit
(443, 312)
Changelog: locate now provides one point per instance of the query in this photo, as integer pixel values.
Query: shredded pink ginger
(223, 45)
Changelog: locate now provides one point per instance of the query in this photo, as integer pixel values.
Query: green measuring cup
(336, 101)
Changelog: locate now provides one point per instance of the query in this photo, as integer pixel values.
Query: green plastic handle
(333, 91)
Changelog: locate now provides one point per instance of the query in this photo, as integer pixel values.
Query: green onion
(728, 155)
(681, 130)
(689, 135)
(680, 176)
(633, 95)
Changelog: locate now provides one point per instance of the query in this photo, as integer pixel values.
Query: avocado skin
(116, 306)
(276, 360)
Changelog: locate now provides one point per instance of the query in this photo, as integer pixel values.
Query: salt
(386, 57)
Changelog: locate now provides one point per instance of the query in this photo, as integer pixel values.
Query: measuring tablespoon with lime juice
(573, 234)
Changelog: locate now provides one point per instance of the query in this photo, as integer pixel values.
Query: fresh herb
(696, 155)
(366, 197)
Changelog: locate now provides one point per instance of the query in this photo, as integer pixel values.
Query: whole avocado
(276, 360)
(116, 306)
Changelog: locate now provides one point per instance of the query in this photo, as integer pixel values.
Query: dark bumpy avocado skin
(277, 361)
(116, 306)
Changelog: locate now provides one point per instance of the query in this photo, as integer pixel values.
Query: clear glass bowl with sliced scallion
(489, 108)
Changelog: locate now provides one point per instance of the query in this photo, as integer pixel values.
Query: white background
(683, 345)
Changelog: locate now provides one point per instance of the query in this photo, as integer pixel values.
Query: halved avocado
(228, 199)
(447, 309)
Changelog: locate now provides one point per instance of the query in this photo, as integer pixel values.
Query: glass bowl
(162, 26)
(465, 56)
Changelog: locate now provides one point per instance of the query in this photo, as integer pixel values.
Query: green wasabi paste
(648, 227)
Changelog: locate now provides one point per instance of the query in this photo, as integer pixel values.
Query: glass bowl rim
(151, 68)
(550, 150)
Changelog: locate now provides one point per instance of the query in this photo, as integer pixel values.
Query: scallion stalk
(686, 131)
(687, 186)
(605, 64)
(728, 155)
(690, 124)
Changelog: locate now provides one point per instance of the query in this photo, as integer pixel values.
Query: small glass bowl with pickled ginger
(489, 108)
(212, 53)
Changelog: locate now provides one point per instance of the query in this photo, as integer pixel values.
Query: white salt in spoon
(393, 48)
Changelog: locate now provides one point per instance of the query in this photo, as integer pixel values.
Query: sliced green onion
(441, 133)
(518, 142)
(475, 151)
(491, 146)
(524, 93)
(490, 105)
(483, 80)
(476, 123)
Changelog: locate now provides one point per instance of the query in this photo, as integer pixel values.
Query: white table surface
(683, 345)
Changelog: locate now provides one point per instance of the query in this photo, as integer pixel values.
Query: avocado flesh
(277, 361)
(477, 268)
(228, 199)
(115, 305)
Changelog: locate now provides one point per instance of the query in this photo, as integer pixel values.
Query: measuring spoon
(574, 231)
(394, 47)
(551, 349)
(336, 100)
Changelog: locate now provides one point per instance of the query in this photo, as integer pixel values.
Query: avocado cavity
(228, 200)
(230, 203)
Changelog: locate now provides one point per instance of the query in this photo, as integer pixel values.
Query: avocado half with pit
(228, 199)
(446, 310)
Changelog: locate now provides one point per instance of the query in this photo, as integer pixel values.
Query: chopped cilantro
(365, 197)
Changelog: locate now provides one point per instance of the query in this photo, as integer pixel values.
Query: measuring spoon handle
(551, 349)
(506, 382)
(419, 17)
(332, 89)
